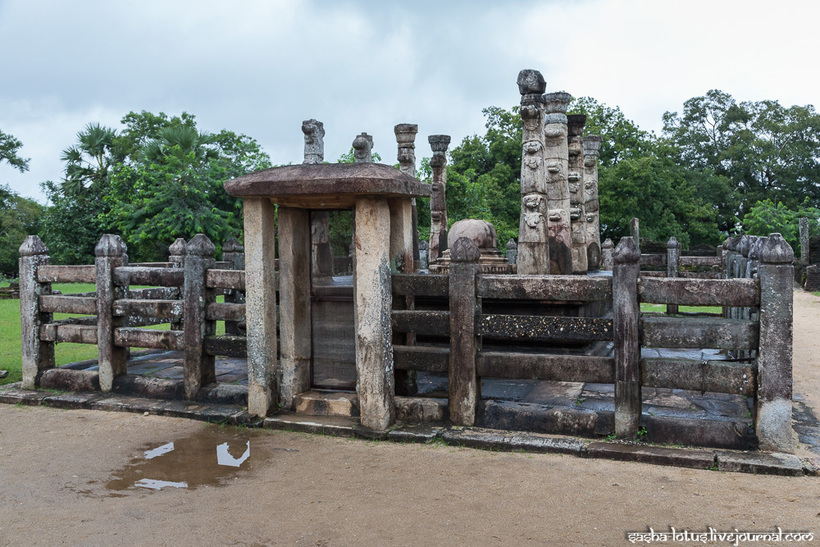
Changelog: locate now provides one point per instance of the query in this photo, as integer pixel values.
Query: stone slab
(679, 457)
(71, 400)
(14, 395)
(772, 463)
(415, 434)
(490, 439)
(336, 426)
(321, 403)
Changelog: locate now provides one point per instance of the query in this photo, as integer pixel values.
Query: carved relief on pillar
(592, 146)
(314, 131)
(575, 150)
(533, 225)
(406, 137)
(556, 156)
(438, 204)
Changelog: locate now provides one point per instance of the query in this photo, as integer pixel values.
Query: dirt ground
(66, 477)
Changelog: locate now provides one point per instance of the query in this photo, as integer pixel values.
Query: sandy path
(312, 490)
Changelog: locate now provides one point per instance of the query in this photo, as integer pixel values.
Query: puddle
(209, 458)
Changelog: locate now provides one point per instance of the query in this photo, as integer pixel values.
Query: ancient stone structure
(362, 148)
(556, 159)
(533, 238)
(314, 131)
(606, 255)
(438, 206)
(575, 180)
(405, 138)
(321, 252)
(483, 235)
(592, 147)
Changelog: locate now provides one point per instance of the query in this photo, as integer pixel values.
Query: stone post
(405, 138)
(176, 252)
(673, 249)
(512, 251)
(112, 359)
(260, 305)
(592, 147)
(234, 252)
(401, 261)
(424, 248)
(321, 253)
(606, 255)
(804, 241)
(362, 148)
(774, 360)
(314, 131)
(635, 231)
(37, 355)
(198, 365)
(533, 236)
(556, 157)
(464, 387)
(294, 303)
(373, 303)
(626, 314)
(575, 180)
(438, 205)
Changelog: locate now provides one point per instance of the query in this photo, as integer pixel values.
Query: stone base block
(696, 459)
(318, 403)
(773, 463)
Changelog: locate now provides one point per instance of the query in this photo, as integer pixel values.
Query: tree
(766, 217)
(19, 217)
(9, 152)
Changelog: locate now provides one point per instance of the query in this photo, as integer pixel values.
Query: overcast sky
(260, 68)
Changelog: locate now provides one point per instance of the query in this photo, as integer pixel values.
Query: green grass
(688, 309)
(64, 352)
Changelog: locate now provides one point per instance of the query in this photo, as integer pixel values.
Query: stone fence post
(804, 242)
(234, 252)
(176, 252)
(464, 388)
(673, 249)
(198, 365)
(635, 231)
(606, 255)
(112, 359)
(512, 251)
(626, 313)
(36, 355)
(773, 419)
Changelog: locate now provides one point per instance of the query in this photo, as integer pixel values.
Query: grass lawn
(10, 343)
(687, 309)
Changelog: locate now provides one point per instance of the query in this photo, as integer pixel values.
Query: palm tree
(89, 161)
(179, 141)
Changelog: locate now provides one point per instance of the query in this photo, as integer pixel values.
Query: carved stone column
(321, 252)
(438, 206)
(556, 157)
(592, 148)
(406, 137)
(362, 147)
(533, 237)
(575, 179)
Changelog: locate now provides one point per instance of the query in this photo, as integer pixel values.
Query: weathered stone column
(424, 248)
(464, 388)
(234, 252)
(773, 419)
(592, 147)
(373, 302)
(556, 157)
(438, 205)
(198, 365)
(321, 253)
(362, 148)
(673, 249)
(606, 255)
(575, 179)
(36, 355)
(260, 304)
(533, 236)
(406, 137)
(294, 303)
(626, 314)
(314, 131)
(512, 251)
(111, 359)
(804, 241)
(635, 231)
(401, 260)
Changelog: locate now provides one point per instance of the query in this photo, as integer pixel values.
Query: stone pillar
(362, 148)
(774, 361)
(321, 253)
(635, 231)
(198, 366)
(37, 356)
(401, 261)
(556, 157)
(314, 131)
(438, 205)
(512, 251)
(406, 137)
(592, 147)
(234, 252)
(804, 241)
(533, 236)
(464, 387)
(260, 304)
(606, 255)
(112, 360)
(424, 248)
(575, 180)
(373, 302)
(673, 249)
(294, 303)
(176, 252)
(626, 314)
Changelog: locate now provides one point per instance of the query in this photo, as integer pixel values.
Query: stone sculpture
(592, 147)
(438, 207)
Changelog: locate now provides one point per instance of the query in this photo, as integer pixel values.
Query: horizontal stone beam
(230, 346)
(424, 358)
(421, 321)
(66, 274)
(700, 292)
(534, 327)
(436, 285)
(61, 332)
(540, 287)
(218, 311)
(162, 310)
(559, 368)
(698, 332)
(713, 376)
(162, 277)
(148, 338)
(226, 279)
(55, 303)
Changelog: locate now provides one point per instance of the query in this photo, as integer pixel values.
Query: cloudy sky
(262, 67)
